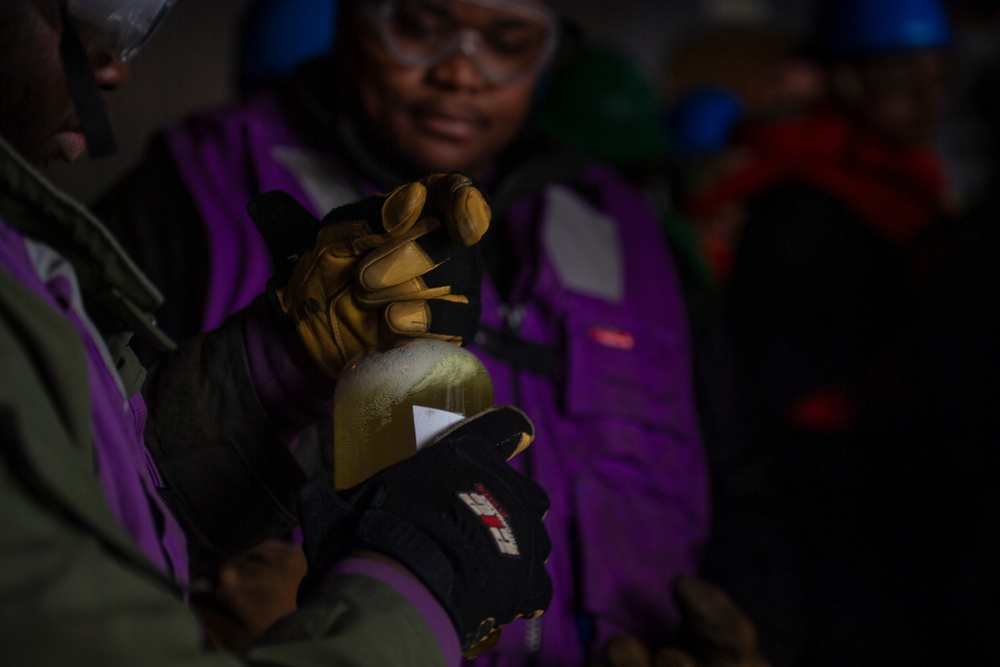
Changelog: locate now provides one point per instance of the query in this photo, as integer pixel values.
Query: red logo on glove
(494, 517)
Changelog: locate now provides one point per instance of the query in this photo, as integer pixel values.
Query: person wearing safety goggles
(112, 31)
(582, 323)
(114, 503)
(448, 84)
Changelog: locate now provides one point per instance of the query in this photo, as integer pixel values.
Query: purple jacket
(127, 474)
(617, 446)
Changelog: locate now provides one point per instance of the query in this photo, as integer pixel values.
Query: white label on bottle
(429, 422)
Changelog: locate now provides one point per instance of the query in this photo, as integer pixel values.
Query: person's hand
(456, 515)
(394, 264)
(250, 592)
(714, 632)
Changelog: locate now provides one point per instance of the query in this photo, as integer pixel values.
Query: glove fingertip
(512, 430)
(472, 217)
(502, 428)
(463, 205)
(408, 318)
(402, 207)
(518, 417)
(521, 445)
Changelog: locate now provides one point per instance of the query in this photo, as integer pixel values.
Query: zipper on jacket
(513, 318)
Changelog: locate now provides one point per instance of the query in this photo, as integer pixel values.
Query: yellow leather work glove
(714, 632)
(395, 264)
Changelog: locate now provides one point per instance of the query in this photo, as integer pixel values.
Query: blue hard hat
(701, 121)
(279, 34)
(869, 27)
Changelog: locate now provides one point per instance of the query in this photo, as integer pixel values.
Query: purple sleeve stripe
(410, 588)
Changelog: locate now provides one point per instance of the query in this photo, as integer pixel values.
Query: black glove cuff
(333, 527)
(328, 522)
(283, 325)
(404, 542)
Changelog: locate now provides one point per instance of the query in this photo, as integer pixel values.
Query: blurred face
(447, 84)
(903, 96)
(36, 112)
(794, 84)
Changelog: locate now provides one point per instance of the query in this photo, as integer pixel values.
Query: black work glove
(456, 515)
(397, 264)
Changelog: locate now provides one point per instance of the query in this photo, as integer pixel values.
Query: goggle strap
(86, 94)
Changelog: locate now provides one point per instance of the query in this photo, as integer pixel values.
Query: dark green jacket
(75, 587)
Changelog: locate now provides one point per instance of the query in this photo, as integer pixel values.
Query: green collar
(117, 293)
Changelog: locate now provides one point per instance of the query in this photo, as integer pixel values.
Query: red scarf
(899, 192)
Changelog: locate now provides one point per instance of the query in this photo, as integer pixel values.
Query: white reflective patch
(584, 246)
(429, 422)
(322, 181)
(50, 265)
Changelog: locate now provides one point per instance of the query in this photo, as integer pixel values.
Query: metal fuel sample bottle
(394, 399)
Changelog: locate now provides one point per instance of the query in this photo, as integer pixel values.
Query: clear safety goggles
(121, 27)
(508, 40)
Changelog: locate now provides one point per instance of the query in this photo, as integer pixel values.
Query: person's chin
(433, 154)
(457, 124)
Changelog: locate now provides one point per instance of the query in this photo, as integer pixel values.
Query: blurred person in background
(724, 77)
(845, 211)
(583, 320)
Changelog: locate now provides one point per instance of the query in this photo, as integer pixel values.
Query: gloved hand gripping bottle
(401, 264)
(393, 397)
(391, 400)
(398, 266)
